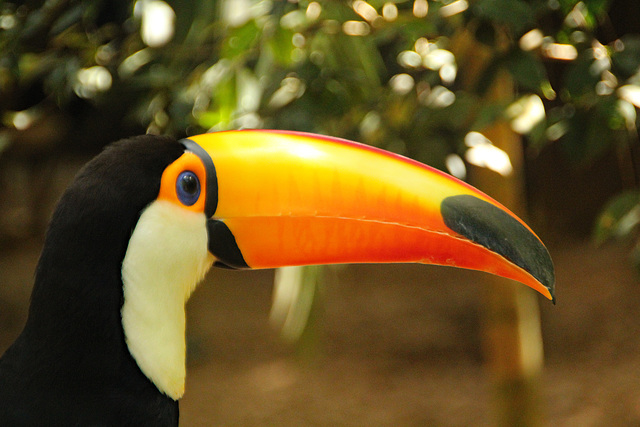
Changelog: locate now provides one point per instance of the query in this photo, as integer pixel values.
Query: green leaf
(619, 218)
(224, 102)
(626, 62)
(578, 79)
(588, 136)
(598, 7)
(488, 114)
(240, 40)
(517, 15)
(70, 17)
(281, 46)
(527, 70)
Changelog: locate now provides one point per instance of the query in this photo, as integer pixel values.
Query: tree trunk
(512, 336)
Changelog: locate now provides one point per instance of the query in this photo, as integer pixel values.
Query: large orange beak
(279, 198)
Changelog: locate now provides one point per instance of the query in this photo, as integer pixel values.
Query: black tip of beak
(496, 230)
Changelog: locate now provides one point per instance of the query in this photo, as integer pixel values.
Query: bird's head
(263, 199)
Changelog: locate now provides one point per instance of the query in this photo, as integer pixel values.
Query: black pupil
(189, 184)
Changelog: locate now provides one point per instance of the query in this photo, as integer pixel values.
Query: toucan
(141, 224)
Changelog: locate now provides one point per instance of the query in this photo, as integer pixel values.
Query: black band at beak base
(211, 203)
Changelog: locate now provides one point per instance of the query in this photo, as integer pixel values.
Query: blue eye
(188, 188)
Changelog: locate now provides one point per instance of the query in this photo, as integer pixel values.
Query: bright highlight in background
(389, 12)
(631, 94)
(91, 81)
(158, 22)
(365, 10)
(420, 8)
(531, 40)
(525, 113)
(483, 153)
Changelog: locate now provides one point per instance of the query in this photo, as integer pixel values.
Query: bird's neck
(74, 324)
(105, 309)
(74, 328)
(71, 363)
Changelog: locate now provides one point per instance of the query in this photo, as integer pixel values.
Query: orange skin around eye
(187, 162)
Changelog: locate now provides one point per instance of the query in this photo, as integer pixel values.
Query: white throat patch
(166, 258)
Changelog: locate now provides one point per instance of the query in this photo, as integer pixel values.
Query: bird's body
(104, 342)
(71, 362)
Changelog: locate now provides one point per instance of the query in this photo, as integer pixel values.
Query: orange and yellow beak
(277, 198)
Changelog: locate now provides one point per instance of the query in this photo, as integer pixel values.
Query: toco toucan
(138, 228)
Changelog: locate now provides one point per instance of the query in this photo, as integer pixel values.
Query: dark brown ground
(398, 345)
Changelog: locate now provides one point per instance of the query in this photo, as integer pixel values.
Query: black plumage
(71, 365)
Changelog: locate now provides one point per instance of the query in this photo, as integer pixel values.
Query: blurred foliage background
(411, 76)
(408, 76)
